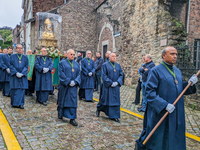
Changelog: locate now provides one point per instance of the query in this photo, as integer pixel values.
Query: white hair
(88, 51)
(109, 52)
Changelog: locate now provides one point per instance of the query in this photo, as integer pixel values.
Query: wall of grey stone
(146, 27)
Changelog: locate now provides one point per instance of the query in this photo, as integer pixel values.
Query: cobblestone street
(37, 127)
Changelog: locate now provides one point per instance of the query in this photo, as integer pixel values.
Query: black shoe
(97, 113)
(73, 122)
(15, 106)
(44, 103)
(29, 94)
(91, 101)
(135, 103)
(59, 117)
(116, 120)
(51, 93)
(21, 107)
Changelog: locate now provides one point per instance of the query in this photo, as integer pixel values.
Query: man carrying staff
(112, 76)
(69, 76)
(18, 79)
(164, 85)
(5, 62)
(43, 83)
(87, 80)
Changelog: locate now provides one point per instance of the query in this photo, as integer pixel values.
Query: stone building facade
(135, 27)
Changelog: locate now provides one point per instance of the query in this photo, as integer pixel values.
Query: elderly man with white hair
(107, 56)
(79, 57)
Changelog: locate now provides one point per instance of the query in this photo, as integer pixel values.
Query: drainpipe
(188, 20)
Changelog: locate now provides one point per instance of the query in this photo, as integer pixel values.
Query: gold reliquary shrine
(48, 30)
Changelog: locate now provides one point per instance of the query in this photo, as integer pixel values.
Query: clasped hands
(45, 70)
(72, 83)
(114, 84)
(19, 75)
(8, 70)
(90, 74)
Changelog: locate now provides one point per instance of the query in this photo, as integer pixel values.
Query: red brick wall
(45, 5)
(194, 22)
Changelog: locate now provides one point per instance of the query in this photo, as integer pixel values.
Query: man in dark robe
(18, 79)
(69, 76)
(43, 82)
(164, 85)
(31, 84)
(107, 56)
(87, 80)
(149, 64)
(5, 62)
(1, 71)
(112, 76)
(99, 62)
(79, 58)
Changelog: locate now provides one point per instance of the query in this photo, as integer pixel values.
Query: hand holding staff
(165, 115)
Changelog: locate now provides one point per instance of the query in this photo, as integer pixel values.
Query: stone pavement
(38, 128)
(128, 96)
(2, 143)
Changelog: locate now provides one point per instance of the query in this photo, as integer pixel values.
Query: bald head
(112, 57)
(169, 55)
(29, 52)
(70, 54)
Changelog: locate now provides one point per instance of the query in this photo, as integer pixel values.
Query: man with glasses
(87, 80)
(43, 83)
(18, 79)
(69, 76)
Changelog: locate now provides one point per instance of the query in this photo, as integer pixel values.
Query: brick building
(16, 35)
(133, 29)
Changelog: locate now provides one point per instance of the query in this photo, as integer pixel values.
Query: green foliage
(8, 43)
(1, 42)
(5, 33)
(9, 38)
(4, 46)
(180, 27)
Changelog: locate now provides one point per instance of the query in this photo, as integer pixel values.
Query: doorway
(105, 48)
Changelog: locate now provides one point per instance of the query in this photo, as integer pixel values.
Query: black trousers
(138, 89)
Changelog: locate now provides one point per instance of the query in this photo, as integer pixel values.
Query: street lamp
(108, 9)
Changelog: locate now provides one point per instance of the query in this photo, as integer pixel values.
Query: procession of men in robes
(163, 85)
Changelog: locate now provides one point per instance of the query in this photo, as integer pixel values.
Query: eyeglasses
(72, 54)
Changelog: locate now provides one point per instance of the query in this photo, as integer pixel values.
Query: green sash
(54, 72)
(31, 62)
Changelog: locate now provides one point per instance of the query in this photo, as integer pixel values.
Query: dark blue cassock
(43, 82)
(87, 82)
(1, 80)
(110, 96)
(5, 63)
(67, 97)
(161, 90)
(18, 85)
